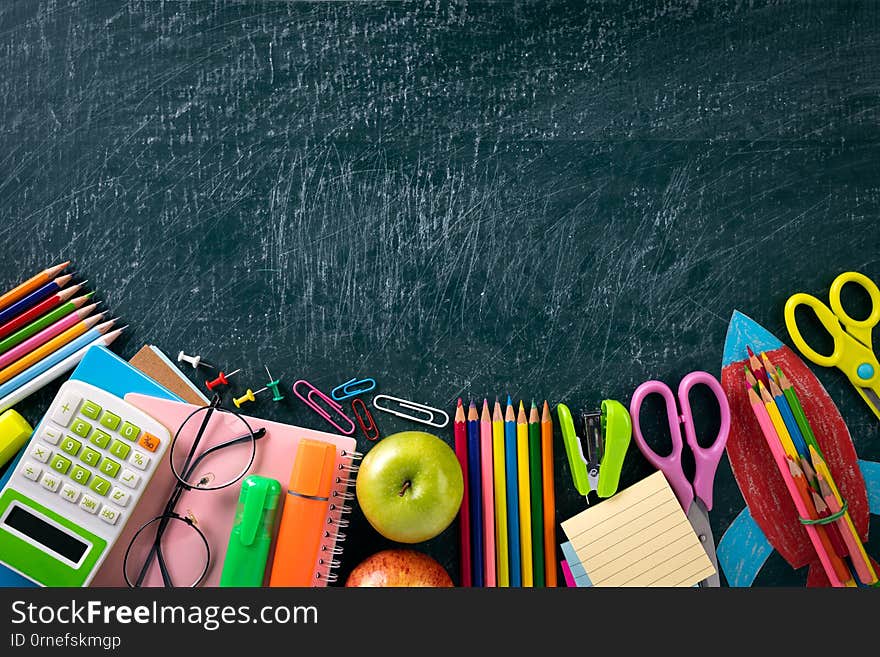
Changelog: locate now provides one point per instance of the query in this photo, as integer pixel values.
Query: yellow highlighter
(14, 432)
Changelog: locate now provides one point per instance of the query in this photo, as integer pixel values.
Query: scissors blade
(698, 516)
(873, 399)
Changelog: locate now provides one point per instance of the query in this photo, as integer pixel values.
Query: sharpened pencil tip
(459, 401)
(509, 402)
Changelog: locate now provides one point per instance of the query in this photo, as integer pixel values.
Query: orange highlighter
(304, 515)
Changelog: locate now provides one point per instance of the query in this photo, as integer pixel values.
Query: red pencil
(464, 514)
(37, 311)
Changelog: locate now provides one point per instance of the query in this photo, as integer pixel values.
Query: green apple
(410, 486)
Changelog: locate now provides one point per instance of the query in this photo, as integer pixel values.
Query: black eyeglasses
(217, 455)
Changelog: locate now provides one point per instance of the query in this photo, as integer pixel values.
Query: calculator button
(81, 428)
(109, 467)
(130, 478)
(90, 456)
(100, 438)
(41, 452)
(110, 420)
(139, 460)
(60, 464)
(50, 481)
(51, 435)
(120, 449)
(31, 471)
(129, 431)
(89, 503)
(100, 485)
(90, 409)
(109, 515)
(149, 442)
(71, 446)
(120, 497)
(80, 475)
(69, 493)
(65, 410)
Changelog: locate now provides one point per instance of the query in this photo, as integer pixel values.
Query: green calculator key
(90, 409)
(99, 485)
(80, 475)
(129, 431)
(120, 449)
(81, 428)
(71, 446)
(109, 467)
(60, 464)
(100, 438)
(90, 456)
(110, 420)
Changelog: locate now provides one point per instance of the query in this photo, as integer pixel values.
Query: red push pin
(221, 380)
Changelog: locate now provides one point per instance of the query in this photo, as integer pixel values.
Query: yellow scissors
(853, 353)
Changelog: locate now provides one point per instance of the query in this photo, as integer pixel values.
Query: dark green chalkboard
(552, 200)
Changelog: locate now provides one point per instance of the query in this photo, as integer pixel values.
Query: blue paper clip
(352, 388)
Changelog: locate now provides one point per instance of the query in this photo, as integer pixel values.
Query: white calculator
(81, 476)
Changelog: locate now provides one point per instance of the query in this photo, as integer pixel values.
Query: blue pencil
(475, 482)
(512, 495)
(34, 298)
(788, 419)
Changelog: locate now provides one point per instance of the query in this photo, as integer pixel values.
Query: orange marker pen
(304, 517)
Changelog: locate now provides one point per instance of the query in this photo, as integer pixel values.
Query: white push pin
(195, 361)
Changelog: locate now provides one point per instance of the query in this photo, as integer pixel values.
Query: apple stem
(406, 485)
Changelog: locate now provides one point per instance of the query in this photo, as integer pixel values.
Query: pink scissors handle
(669, 465)
(705, 458)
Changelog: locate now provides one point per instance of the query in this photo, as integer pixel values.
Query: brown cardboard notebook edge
(148, 362)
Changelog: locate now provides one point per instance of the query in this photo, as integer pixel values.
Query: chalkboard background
(554, 200)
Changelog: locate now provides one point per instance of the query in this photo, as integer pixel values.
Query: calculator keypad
(90, 456)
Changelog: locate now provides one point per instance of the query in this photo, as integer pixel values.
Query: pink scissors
(695, 497)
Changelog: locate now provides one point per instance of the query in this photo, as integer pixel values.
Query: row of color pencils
(508, 513)
(806, 474)
(45, 329)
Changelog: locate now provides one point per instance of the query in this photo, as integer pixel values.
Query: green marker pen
(251, 536)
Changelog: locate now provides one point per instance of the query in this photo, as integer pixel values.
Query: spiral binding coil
(330, 549)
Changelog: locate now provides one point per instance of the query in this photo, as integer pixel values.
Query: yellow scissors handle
(827, 318)
(860, 329)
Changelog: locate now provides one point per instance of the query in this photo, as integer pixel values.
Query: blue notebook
(102, 368)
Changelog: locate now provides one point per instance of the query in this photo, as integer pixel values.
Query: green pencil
(537, 496)
(797, 410)
(44, 321)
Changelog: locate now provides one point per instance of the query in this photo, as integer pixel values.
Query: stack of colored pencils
(45, 329)
(508, 514)
(806, 474)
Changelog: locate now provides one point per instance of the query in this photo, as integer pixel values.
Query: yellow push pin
(249, 395)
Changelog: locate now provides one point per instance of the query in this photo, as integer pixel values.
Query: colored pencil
(757, 367)
(34, 298)
(839, 566)
(502, 561)
(23, 289)
(476, 491)
(778, 453)
(46, 349)
(488, 495)
(861, 561)
(788, 418)
(525, 511)
(778, 424)
(42, 337)
(549, 497)
(50, 368)
(753, 382)
(513, 531)
(832, 528)
(797, 410)
(38, 311)
(464, 512)
(536, 487)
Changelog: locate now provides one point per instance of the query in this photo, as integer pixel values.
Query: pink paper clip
(320, 410)
(365, 419)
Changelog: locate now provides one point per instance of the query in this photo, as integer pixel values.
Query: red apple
(399, 568)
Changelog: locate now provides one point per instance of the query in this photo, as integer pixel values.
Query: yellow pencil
(778, 422)
(525, 504)
(50, 347)
(502, 567)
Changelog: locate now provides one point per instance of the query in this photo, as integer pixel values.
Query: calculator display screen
(48, 535)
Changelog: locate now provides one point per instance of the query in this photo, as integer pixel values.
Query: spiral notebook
(215, 510)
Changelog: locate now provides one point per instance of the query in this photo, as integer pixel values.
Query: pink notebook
(214, 511)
